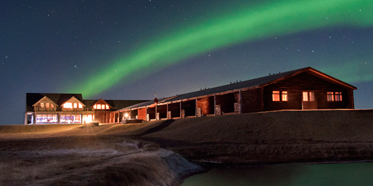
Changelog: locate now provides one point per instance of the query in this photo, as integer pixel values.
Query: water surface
(349, 174)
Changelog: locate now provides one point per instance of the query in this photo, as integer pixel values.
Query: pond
(348, 174)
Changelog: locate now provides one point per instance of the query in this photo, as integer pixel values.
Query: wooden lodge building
(44, 108)
(299, 89)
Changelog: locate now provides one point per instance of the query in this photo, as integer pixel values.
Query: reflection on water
(359, 174)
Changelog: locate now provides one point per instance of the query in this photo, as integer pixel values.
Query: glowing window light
(94, 106)
(80, 105)
(305, 96)
(276, 96)
(107, 106)
(98, 106)
(330, 96)
(68, 105)
(284, 95)
(42, 105)
(338, 96)
(75, 105)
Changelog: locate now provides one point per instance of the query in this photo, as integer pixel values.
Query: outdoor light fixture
(126, 115)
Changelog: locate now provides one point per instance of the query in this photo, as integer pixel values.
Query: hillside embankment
(270, 137)
(135, 154)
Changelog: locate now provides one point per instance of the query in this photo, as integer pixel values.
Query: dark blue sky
(50, 46)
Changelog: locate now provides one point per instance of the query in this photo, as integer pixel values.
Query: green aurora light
(244, 25)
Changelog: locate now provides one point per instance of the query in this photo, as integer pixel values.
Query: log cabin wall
(175, 109)
(151, 113)
(251, 100)
(206, 104)
(305, 82)
(189, 107)
(100, 116)
(142, 113)
(227, 101)
(134, 114)
(162, 110)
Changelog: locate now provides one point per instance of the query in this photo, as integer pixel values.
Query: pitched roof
(115, 104)
(59, 99)
(259, 82)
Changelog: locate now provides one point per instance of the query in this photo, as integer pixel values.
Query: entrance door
(309, 100)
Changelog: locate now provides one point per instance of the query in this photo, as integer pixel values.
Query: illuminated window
(42, 105)
(80, 105)
(312, 96)
(103, 106)
(305, 96)
(98, 106)
(52, 106)
(94, 106)
(284, 95)
(75, 105)
(330, 96)
(46, 105)
(334, 96)
(308, 96)
(68, 105)
(275, 95)
(107, 106)
(338, 96)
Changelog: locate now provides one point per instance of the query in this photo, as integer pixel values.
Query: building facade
(42, 108)
(300, 89)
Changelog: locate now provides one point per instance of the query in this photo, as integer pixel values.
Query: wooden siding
(206, 104)
(305, 82)
(251, 100)
(142, 113)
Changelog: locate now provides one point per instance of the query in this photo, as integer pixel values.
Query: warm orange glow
(284, 95)
(338, 96)
(42, 105)
(312, 96)
(80, 105)
(305, 96)
(87, 118)
(98, 106)
(52, 106)
(46, 105)
(94, 106)
(330, 96)
(68, 105)
(276, 96)
(107, 106)
(75, 105)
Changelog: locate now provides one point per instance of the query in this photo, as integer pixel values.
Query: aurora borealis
(242, 25)
(132, 49)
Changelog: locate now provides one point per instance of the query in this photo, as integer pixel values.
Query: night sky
(134, 49)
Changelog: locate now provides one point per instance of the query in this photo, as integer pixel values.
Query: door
(309, 100)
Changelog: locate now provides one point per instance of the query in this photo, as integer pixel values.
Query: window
(338, 96)
(330, 96)
(103, 106)
(41, 105)
(75, 105)
(52, 106)
(94, 106)
(305, 96)
(98, 106)
(107, 106)
(68, 105)
(46, 118)
(312, 96)
(308, 96)
(80, 105)
(334, 96)
(275, 95)
(284, 95)
(47, 105)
